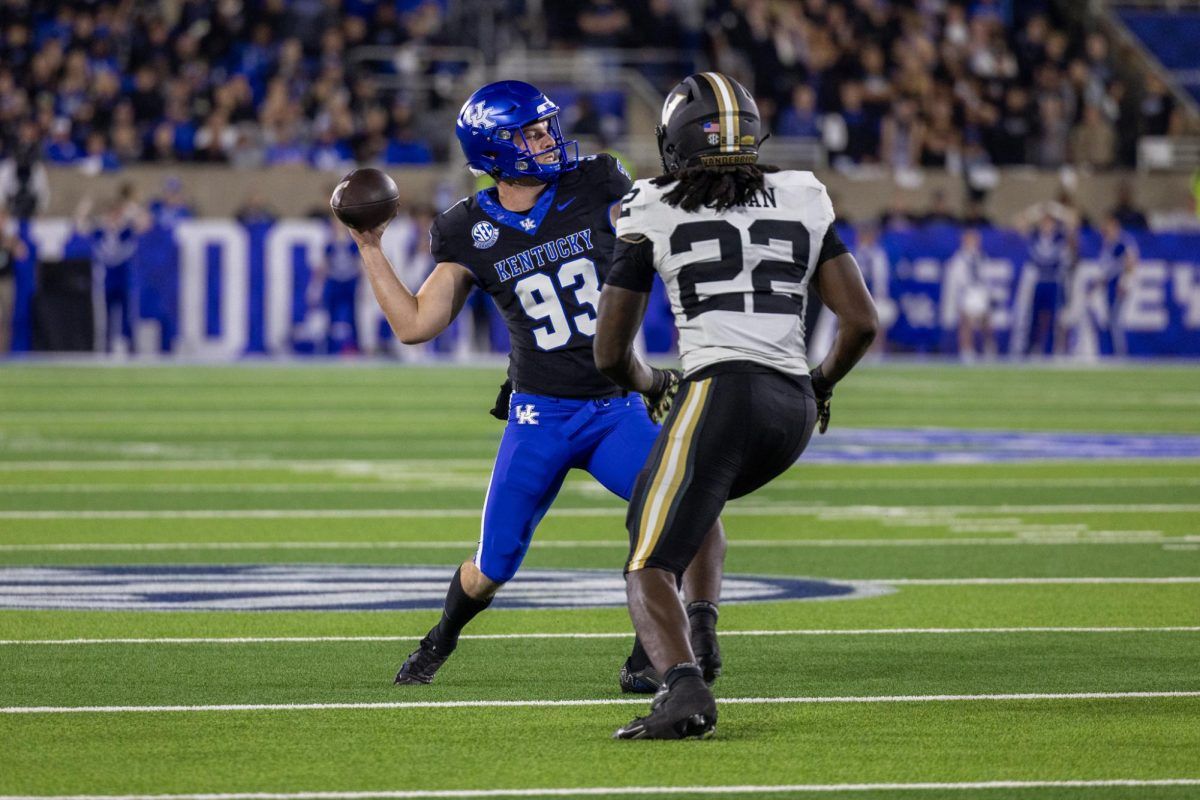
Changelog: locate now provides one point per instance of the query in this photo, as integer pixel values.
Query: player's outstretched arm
(841, 287)
(618, 320)
(419, 317)
(840, 284)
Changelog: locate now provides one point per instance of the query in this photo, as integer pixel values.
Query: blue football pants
(545, 437)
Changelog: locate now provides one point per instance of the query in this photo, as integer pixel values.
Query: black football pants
(733, 428)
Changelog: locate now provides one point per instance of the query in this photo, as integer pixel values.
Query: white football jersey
(737, 279)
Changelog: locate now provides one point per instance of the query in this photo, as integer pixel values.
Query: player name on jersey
(764, 199)
(560, 249)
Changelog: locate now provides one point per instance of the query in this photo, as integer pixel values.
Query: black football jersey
(544, 269)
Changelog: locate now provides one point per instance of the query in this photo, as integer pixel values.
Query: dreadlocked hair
(717, 188)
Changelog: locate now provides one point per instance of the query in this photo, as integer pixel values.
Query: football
(366, 198)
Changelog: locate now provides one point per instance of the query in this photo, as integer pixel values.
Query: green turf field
(1030, 629)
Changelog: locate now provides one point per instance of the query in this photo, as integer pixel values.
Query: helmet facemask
(526, 163)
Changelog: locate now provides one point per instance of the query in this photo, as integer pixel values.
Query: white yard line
(1118, 537)
(284, 513)
(591, 791)
(982, 482)
(603, 635)
(1023, 581)
(280, 513)
(915, 510)
(205, 464)
(415, 483)
(608, 701)
(825, 511)
(424, 480)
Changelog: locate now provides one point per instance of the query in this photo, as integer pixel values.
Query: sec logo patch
(485, 235)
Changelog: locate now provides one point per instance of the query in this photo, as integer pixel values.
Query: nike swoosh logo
(564, 205)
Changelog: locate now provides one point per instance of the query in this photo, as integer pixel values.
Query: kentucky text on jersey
(560, 249)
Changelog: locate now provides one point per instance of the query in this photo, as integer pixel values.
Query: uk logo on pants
(526, 415)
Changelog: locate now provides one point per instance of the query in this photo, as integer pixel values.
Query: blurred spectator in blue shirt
(801, 117)
(98, 157)
(171, 207)
(62, 149)
(287, 149)
(329, 153)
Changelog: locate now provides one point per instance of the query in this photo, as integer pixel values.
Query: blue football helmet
(489, 130)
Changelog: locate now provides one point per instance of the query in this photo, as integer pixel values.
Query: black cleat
(422, 664)
(639, 681)
(687, 711)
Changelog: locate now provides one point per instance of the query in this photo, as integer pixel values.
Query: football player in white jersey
(738, 245)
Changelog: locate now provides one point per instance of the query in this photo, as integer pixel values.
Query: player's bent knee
(500, 569)
(675, 566)
(481, 584)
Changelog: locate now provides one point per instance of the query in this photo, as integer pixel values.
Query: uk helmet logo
(485, 234)
(479, 115)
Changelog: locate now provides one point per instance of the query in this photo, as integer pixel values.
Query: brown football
(365, 199)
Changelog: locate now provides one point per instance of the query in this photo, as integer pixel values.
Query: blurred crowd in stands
(941, 84)
(261, 82)
(937, 83)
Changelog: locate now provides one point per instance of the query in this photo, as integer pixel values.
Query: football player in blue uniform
(334, 283)
(115, 237)
(1052, 247)
(540, 244)
(1118, 259)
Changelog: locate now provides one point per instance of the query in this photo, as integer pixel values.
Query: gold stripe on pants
(668, 473)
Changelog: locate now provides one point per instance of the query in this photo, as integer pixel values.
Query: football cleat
(422, 664)
(687, 711)
(639, 681)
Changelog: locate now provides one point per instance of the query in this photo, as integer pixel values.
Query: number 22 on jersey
(539, 297)
(776, 285)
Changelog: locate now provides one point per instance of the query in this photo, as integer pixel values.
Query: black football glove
(660, 399)
(823, 391)
(500, 410)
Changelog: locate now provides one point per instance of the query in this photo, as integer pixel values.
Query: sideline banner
(1159, 315)
(214, 288)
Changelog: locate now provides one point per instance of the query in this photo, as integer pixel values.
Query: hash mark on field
(608, 701)
(811, 788)
(822, 511)
(597, 635)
